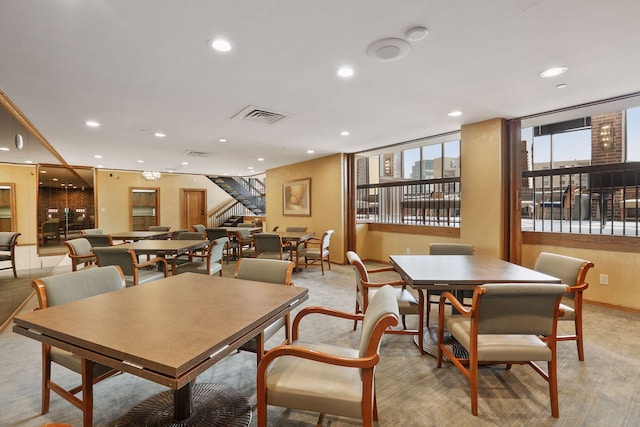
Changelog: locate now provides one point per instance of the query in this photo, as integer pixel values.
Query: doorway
(194, 207)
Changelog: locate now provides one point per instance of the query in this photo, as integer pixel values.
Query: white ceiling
(143, 66)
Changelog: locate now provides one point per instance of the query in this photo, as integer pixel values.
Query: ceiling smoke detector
(391, 49)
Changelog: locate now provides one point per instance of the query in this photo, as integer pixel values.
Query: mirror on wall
(65, 206)
(7, 207)
(144, 208)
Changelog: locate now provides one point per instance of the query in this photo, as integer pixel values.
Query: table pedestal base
(213, 405)
(430, 343)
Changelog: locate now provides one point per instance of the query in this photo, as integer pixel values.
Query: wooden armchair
(572, 272)
(135, 273)
(60, 289)
(504, 325)
(269, 271)
(209, 262)
(80, 252)
(316, 250)
(270, 246)
(8, 242)
(325, 378)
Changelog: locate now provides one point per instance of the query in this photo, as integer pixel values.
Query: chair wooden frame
(577, 286)
(284, 247)
(322, 244)
(87, 367)
(154, 262)
(471, 373)
(365, 363)
(205, 257)
(10, 247)
(86, 259)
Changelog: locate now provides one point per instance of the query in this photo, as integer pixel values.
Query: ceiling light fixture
(391, 49)
(4, 149)
(344, 133)
(552, 72)
(416, 34)
(310, 151)
(345, 71)
(222, 139)
(221, 45)
(92, 123)
(561, 86)
(151, 175)
(260, 159)
(455, 114)
(97, 156)
(160, 134)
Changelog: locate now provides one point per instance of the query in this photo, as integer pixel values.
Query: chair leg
(87, 392)
(46, 377)
(473, 382)
(357, 310)
(553, 387)
(259, 347)
(578, 326)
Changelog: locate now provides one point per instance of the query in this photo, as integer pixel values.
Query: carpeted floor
(14, 291)
(603, 390)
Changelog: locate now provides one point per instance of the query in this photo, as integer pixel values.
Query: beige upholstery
(572, 272)
(366, 289)
(326, 378)
(315, 250)
(199, 228)
(269, 271)
(99, 240)
(504, 325)
(270, 246)
(176, 233)
(159, 228)
(296, 229)
(8, 242)
(135, 273)
(447, 249)
(91, 231)
(208, 263)
(60, 289)
(80, 252)
(241, 242)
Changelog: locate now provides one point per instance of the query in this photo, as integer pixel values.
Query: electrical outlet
(604, 279)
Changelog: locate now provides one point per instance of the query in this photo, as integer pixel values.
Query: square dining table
(458, 272)
(168, 331)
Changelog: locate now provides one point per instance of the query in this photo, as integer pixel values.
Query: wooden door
(194, 207)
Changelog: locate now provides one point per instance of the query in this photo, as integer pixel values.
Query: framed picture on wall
(296, 197)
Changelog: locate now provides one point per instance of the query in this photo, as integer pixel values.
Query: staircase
(247, 191)
(232, 221)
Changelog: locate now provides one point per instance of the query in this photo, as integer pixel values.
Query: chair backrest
(51, 226)
(451, 249)
(359, 268)
(267, 242)
(99, 240)
(176, 233)
(216, 248)
(216, 233)
(199, 228)
(63, 288)
(302, 229)
(7, 240)
(265, 270)
(79, 246)
(571, 271)
(326, 239)
(116, 255)
(191, 235)
(517, 308)
(92, 231)
(159, 228)
(384, 303)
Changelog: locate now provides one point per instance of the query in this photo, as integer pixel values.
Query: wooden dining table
(139, 235)
(457, 273)
(295, 239)
(168, 331)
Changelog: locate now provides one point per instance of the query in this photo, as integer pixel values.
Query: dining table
(168, 331)
(139, 235)
(164, 248)
(457, 273)
(295, 239)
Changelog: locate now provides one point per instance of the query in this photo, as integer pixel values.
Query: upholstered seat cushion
(144, 276)
(274, 255)
(299, 383)
(200, 267)
(498, 347)
(407, 303)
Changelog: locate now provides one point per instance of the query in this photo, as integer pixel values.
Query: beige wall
(327, 199)
(24, 178)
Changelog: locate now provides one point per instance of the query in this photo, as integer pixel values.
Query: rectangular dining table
(168, 331)
(139, 235)
(459, 272)
(165, 247)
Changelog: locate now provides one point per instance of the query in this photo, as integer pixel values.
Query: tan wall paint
(113, 197)
(24, 178)
(327, 196)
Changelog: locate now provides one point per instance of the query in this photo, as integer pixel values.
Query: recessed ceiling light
(185, 163)
(43, 171)
(92, 123)
(221, 45)
(140, 161)
(250, 168)
(28, 161)
(561, 86)
(416, 33)
(160, 134)
(99, 166)
(97, 156)
(55, 179)
(4, 149)
(346, 71)
(455, 114)
(552, 72)
(222, 139)
(344, 133)
(310, 151)
(260, 159)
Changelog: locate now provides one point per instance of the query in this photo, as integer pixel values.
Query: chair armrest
(455, 304)
(92, 255)
(380, 270)
(324, 311)
(305, 353)
(381, 284)
(578, 288)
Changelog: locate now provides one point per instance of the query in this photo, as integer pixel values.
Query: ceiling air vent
(260, 115)
(196, 153)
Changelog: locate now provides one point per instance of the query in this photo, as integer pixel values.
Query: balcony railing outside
(601, 199)
(431, 202)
